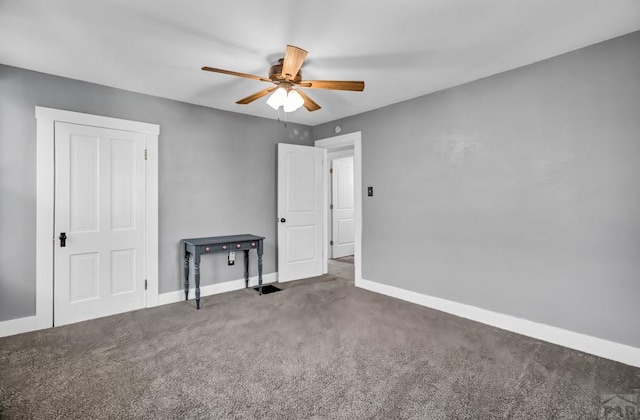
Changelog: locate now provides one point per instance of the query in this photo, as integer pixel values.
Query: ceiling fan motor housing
(275, 73)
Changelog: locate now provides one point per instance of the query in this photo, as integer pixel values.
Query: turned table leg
(196, 271)
(260, 267)
(246, 268)
(186, 275)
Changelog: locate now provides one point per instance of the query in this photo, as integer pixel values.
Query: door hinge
(330, 170)
(145, 154)
(145, 284)
(331, 243)
(330, 206)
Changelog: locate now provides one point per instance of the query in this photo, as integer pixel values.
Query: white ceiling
(401, 48)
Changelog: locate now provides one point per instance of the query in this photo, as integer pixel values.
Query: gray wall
(217, 176)
(518, 193)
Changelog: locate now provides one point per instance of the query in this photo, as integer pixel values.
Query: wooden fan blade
(332, 85)
(235, 73)
(309, 103)
(293, 59)
(256, 95)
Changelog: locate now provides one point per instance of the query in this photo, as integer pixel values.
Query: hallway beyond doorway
(342, 267)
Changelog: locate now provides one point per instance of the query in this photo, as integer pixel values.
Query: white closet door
(343, 200)
(100, 208)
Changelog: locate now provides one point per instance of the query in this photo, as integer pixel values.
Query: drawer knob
(207, 249)
(224, 247)
(253, 244)
(238, 246)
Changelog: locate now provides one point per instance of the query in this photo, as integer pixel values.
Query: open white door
(99, 222)
(300, 211)
(343, 207)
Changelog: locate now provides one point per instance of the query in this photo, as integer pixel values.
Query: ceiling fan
(287, 77)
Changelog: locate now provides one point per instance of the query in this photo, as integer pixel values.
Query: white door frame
(349, 139)
(45, 195)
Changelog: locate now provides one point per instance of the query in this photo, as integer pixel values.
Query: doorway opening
(343, 199)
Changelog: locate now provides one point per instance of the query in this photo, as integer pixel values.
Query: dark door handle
(63, 239)
(283, 220)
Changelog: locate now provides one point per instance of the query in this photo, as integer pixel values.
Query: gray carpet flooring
(348, 259)
(317, 349)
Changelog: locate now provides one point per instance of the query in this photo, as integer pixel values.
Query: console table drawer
(205, 249)
(241, 246)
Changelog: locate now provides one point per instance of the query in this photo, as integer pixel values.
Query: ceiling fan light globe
(277, 98)
(293, 102)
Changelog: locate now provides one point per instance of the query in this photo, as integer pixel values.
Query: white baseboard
(214, 289)
(585, 343)
(18, 326)
(29, 323)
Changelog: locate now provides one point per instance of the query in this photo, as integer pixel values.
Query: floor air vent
(268, 289)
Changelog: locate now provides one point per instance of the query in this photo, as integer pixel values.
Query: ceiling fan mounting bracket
(275, 73)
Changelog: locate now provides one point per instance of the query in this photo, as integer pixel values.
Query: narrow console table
(217, 244)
